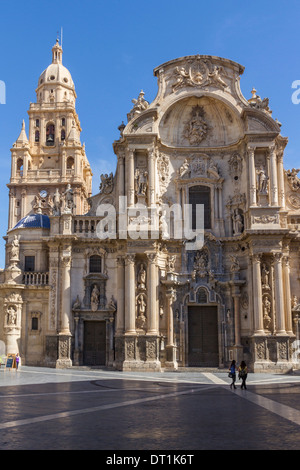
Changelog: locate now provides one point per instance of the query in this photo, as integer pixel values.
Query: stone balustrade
(32, 278)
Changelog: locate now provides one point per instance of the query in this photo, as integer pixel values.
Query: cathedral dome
(34, 221)
(56, 72)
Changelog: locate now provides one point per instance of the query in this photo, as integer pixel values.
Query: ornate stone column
(153, 313)
(64, 335)
(130, 294)
(151, 170)
(257, 295)
(171, 361)
(252, 175)
(120, 320)
(12, 309)
(121, 180)
(287, 298)
(273, 176)
(279, 295)
(281, 179)
(130, 177)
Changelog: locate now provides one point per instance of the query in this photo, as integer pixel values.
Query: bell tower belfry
(51, 157)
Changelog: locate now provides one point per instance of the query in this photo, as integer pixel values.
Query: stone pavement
(98, 409)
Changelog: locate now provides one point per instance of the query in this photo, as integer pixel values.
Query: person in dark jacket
(232, 373)
(243, 373)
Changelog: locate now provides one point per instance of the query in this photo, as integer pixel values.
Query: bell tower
(51, 158)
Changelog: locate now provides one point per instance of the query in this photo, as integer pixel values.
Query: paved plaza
(184, 411)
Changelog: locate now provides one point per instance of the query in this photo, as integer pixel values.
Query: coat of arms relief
(199, 73)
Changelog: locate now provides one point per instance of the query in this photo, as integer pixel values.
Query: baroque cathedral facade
(105, 280)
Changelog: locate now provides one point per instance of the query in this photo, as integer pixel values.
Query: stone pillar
(153, 313)
(279, 295)
(130, 294)
(151, 170)
(76, 350)
(121, 180)
(281, 180)
(257, 295)
(130, 177)
(64, 336)
(11, 212)
(273, 177)
(252, 176)
(170, 347)
(287, 290)
(120, 319)
(237, 321)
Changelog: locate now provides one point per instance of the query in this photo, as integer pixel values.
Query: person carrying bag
(243, 372)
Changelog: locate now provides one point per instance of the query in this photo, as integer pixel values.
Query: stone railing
(32, 278)
(85, 226)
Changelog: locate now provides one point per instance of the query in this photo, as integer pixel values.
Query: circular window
(43, 193)
(52, 77)
(65, 80)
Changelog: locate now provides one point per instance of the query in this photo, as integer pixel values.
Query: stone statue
(141, 307)
(69, 200)
(237, 222)
(77, 303)
(141, 178)
(56, 203)
(265, 276)
(163, 225)
(266, 314)
(107, 183)
(235, 266)
(142, 278)
(184, 169)
(262, 180)
(95, 298)
(11, 316)
(15, 249)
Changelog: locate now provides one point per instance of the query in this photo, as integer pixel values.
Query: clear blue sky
(111, 48)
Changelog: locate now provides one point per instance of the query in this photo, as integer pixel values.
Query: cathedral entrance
(203, 336)
(94, 349)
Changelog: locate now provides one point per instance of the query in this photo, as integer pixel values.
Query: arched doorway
(203, 338)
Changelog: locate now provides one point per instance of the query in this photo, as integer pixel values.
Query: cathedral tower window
(63, 122)
(70, 163)
(37, 123)
(29, 263)
(37, 136)
(63, 134)
(95, 264)
(50, 134)
(200, 195)
(20, 166)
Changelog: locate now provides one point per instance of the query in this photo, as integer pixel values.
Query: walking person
(232, 373)
(17, 361)
(243, 372)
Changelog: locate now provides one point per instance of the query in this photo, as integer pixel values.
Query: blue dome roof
(34, 221)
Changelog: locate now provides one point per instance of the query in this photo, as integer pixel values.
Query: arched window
(62, 134)
(20, 165)
(200, 195)
(50, 134)
(70, 163)
(202, 296)
(95, 264)
(37, 136)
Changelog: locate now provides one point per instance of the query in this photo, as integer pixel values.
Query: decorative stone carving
(200, 73)
(107, 183)
(163, 169)
(196, 128)
(77, 304)
(235, 265)
(293, 180)
(294, 200)
(140, 104)
(235, 166)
